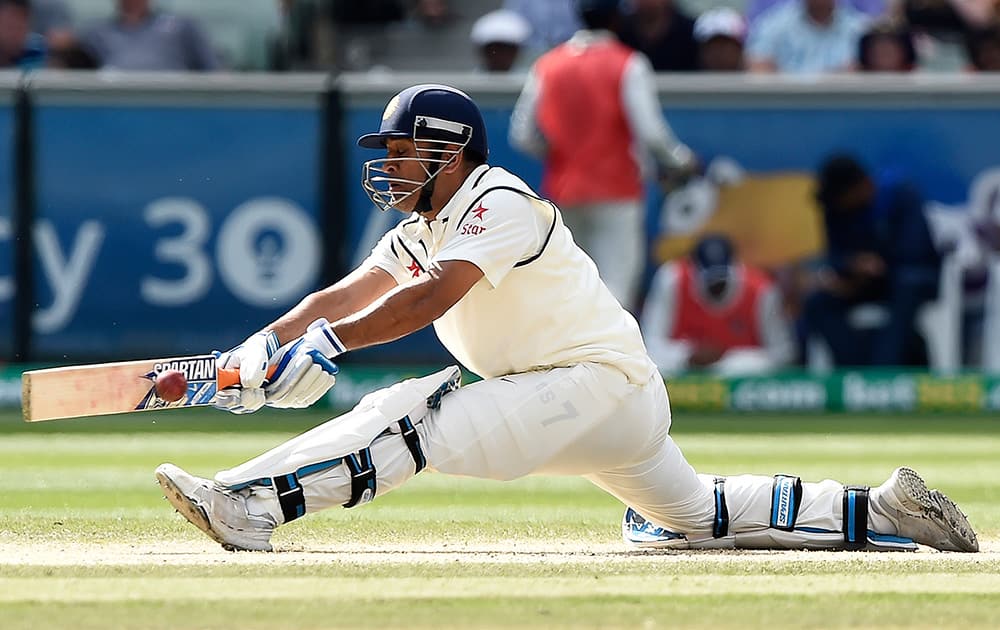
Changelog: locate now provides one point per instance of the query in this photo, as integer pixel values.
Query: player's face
(406, 172)
(413, 162)
(399, 180)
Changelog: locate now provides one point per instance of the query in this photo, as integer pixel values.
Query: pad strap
(786, 497)
(855, 517)
(409, 434)
(362, 477)
(720, 528)
(290, 496)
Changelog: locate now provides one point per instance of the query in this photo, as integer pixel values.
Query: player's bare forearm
(408, 308)
(353, 293)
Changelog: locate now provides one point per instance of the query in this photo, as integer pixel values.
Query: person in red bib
(589, 110)
(710, 311)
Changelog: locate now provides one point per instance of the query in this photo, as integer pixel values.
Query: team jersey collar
(588, 37)
(462, 196)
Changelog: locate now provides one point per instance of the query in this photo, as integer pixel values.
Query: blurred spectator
(983, 46)
(806, 36)
(498, 37)
(552, 21)
(944, 27)
(433, 13)
(584, 106)
(52, 19)
(140, 38)
(720, 34)
(887, 48)
(367, 12)
(939, 17)
(19, 46)
(710, 311)
(879, 250)
(872, 8)
(296, 46)
(72, 57)
(663, 33)
(357, 31)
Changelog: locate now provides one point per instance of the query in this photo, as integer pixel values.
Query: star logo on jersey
(480, 211)
(414, 269)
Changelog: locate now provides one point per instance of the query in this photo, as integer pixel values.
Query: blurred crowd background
(865, 270)
(787, 36)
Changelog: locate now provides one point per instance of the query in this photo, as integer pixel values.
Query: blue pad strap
(290, 496)
(855, 517)
(362, 477)
(720, 527)
(409, 433)
(786, 497)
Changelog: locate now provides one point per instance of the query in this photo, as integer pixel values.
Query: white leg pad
(321, 458)
(754, 503)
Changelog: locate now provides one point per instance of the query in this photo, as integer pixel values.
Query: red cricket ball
(171, 385)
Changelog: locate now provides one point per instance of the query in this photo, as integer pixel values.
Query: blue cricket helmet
(713, 258)
(431, 111)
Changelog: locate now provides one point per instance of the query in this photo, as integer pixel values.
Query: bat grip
(229, 377)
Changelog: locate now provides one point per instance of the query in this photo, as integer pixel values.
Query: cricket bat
(107, 388)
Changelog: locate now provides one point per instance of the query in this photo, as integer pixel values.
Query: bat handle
(229, 377)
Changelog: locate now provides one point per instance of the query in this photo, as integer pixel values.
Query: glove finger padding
(246, 400)
(225, 359)
(314, 384)
(253, 358)
(300, 379)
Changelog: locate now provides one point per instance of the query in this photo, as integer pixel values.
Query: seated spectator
(806, 36)
(879, 249)
(664, 33)
(72, 56)
(983, 46)
(52, 20)
(552, 21)
(140, 38)
(498, 37)
(887, 48)
(943, 28)
(710, 311)
(19, 46)
(872, 8)
(352, 12)
(433, 13)
(720, 34)
(943, 17)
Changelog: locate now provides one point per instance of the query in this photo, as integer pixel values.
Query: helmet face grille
(386, 190)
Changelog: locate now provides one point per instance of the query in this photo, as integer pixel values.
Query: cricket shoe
(639, 533)
(215, 510)
(927, 516)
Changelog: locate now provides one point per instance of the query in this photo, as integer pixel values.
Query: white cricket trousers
(613, 234)
(584, 420)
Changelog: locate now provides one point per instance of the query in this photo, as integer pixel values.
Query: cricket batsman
(567, 389)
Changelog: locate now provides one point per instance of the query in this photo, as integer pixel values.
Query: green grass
(86, 541)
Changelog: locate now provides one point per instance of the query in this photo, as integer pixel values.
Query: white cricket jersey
(541, 302)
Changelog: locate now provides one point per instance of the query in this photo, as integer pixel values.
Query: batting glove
(305, 373)
(251, 358)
